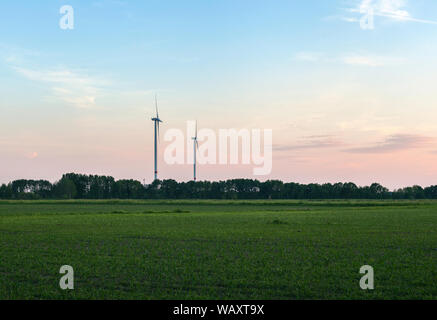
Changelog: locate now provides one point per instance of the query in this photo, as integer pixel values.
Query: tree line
(80, 186)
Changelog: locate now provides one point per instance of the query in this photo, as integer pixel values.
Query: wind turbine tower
(196, 146)
(157, 121)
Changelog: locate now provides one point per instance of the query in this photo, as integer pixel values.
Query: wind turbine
(196, 146)
(156, 120)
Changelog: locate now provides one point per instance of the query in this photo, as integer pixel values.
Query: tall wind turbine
(196, 146)
(156, 120)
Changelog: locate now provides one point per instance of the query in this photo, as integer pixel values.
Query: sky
(345, 102)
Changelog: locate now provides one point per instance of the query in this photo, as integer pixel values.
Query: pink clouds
(32, 155)
(394, 143)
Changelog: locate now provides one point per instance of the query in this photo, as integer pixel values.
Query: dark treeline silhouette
(79, 186)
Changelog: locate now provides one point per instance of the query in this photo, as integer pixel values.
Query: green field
(218, 249)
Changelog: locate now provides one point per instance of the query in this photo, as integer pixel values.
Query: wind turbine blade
(159, 139)
(156, 106)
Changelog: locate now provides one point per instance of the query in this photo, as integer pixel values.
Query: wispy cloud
(75, 88)
(395, 10)
(15, 55)
(312, 142)
(393, 143)
(79, 88)
(366, 60)
(388, 8)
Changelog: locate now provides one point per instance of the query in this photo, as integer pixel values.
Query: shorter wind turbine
(196, 146)
(156, 120)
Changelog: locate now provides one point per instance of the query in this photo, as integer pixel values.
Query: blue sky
(304, 68)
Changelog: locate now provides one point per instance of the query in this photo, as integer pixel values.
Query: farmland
(280, 249)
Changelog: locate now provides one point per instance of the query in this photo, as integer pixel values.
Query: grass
(122, 249)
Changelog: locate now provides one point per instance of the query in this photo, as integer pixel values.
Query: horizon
(345, 103)
(53, 182)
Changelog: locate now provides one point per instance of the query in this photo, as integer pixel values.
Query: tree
(80, 186)
(272, 189)
(431, 192)
(6, 191)
(350, 191)
(377, 191)
(169, 189)
(65, 189)
(128, 189)
(81, 183)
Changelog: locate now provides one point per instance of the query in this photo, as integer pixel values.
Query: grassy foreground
(218, 249)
